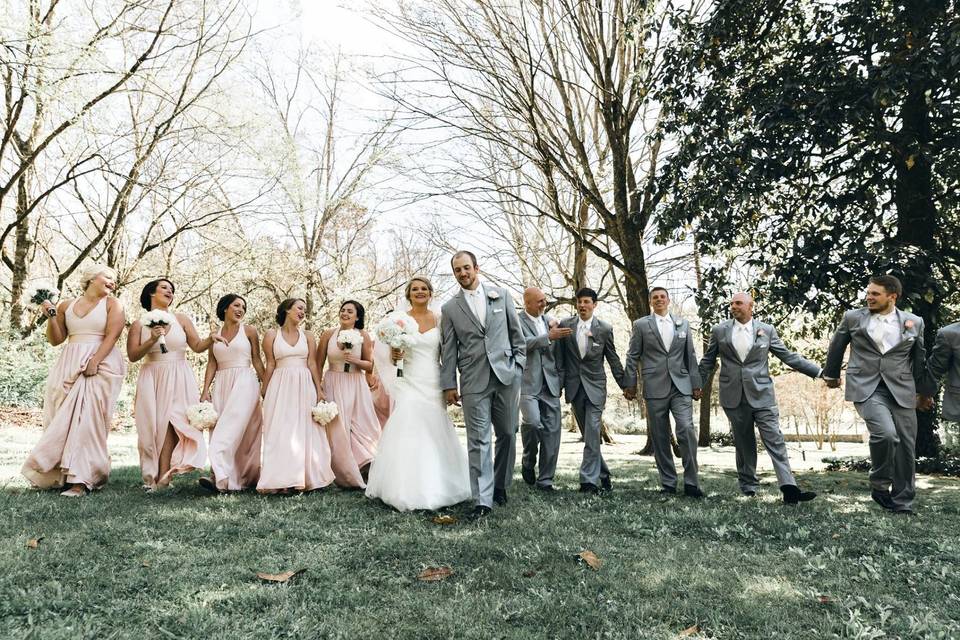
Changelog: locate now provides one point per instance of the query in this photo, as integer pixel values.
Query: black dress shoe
(586, 487)
(528, 475)
(793, 495)
(480, 511)
(693, 492)
(605, 484)
(750, 494)
(208, 484)
(500, 496)
(883, 499)
(546, 488)
(668, 490)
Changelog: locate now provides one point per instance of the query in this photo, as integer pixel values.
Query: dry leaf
(591, 559)
(279, 577)
(33, 543)
(835, 536)
(444, 520)
(823, 599)
(911, 160)
(529, 574)
(434, 574)
(690, 631)
(145, 563)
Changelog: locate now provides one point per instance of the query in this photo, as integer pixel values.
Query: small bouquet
(157, 318)
(324, 412)
(44, 292)
(346, 339)
(397, 331)
(202, 416)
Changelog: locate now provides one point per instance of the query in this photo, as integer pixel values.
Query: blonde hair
(92, 271)
(424, 279)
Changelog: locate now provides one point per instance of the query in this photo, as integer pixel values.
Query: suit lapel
(465, 307)
(652, 321)
(755, 329)
(727, 341)
(865, 329)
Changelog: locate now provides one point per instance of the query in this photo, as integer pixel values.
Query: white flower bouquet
(202, 416)
(346, 339)
(397, 331)
(43, 292)
(324, 412)
(157, 318)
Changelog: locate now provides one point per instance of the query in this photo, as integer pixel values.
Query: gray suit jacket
(945, 361)
(541, 361)
(588, 372)
(749, 377)
(902, 368)
(662, 365)
(476, 351)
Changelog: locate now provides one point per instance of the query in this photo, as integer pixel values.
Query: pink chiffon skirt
(77, 411)
(235, 441)
(165, 390)
(356, 412)
(296, 453)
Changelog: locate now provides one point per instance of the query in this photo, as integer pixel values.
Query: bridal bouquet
(157, 318)
(346, 339)
(324, 412)
(397, 331)
(202, 416)
(44, 292)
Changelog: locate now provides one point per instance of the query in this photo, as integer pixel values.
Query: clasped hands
(630, 393)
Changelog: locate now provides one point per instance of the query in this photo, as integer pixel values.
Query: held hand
(205, 397)
(321, 396)
(156, 332)
(924, 403)
(92, 367)
(697, 394)
(832, 384)
(396, 354)
(556, 333)
(630, 393)
(452, 397)
(46, 307)
(373, 381)
(352, 359)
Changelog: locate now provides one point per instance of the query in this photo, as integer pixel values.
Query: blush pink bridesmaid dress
(235, 441)
(350, 391)
(296, 453)
(166, 388)
(77, 409)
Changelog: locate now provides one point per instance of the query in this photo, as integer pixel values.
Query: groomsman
(671, 381)
(944, 360)
(540, 392)
(887, 365)
(580, 359)
(744, 345)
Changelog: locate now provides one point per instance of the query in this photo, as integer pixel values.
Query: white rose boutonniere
(493, 295)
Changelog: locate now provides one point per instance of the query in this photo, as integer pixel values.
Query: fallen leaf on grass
(434, 574)
(689, 631)
(279, 577)
(444, 520)
(33, 543)
(835, 536)
(144, 563)
(823, 599)
(591, 559)
(529, 574)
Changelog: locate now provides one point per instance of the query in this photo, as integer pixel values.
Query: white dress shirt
(885, 330)
(478, 303)
(537, 323)
(665, 326)
(583, 331)
(743, 338)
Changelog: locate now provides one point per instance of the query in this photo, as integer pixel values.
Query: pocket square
(498, 310)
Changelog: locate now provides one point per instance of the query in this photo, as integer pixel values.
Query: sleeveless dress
(296, 454)
(350, 391)
(420, 463)
(166, 388)
(77, 409)
(235, 441)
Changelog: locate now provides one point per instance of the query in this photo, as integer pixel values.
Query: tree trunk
(22, 246)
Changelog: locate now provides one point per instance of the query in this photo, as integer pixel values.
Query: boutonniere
(908, 325)
(677, 324)
(493, 295)
(761, 333)
(589, 334)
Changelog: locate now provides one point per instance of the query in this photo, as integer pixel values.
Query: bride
(420, 463)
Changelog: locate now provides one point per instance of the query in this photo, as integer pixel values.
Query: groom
(482, 339)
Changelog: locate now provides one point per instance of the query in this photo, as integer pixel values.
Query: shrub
(23, 370)
(946, 464)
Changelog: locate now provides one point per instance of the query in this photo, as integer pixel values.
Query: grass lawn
(182, 564)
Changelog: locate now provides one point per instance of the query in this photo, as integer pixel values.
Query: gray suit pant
(742, 419)
(658, 424)
(893, 441)
(491, 466)
(540, 433)
(593, 468)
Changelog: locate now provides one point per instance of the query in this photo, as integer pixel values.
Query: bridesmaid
(82, 389)
(237, 367)
(349, 389)
(296, 454)
(166, 388)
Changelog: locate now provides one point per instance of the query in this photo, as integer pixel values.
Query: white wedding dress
(420, 463)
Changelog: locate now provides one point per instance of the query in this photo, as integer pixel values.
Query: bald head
(741, 306)
(534, 301)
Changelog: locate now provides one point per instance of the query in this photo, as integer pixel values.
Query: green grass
(123, 564)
